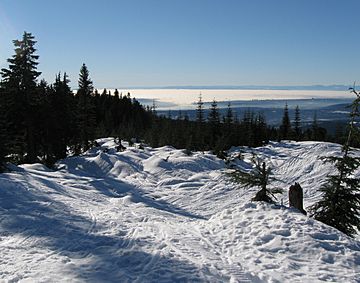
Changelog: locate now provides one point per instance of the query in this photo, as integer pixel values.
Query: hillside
(159, 215)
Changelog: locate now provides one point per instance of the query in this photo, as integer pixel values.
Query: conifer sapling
(340, 203)
(259, 176)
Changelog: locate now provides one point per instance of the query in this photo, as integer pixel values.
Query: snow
(159, 215)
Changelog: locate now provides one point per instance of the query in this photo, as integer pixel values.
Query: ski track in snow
(158, 215)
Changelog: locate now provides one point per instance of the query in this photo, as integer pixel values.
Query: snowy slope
(158, 215)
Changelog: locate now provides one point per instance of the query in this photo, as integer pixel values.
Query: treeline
(209, 133)
(219, 132)
(41, 122)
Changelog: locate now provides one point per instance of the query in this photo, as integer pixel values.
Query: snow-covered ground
(158, 215)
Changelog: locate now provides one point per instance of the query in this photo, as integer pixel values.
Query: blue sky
(190, 42)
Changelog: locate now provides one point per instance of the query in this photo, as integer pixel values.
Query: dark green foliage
(214, 123)
(21, 99)
(86, 111)
(59, 120)
(3, 136)
(259, 176)
(229, 117)
(39, 122)
(297, 124)
(339, 206)
(316, 133)
(200, 116)
(285, 127)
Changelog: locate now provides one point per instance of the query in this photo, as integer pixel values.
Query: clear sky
(190, 42)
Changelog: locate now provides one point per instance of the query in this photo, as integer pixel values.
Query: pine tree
(317, 133)
(214, 116)
(200, 117)
(260, 130)
(285, 127)
(248, 128)
(62, 118)
(153, 108)
(297, 124)
(314, 128)
(214, 122)
(20, 94)
(259, 176)
(229, 117)
(199, 135)
(86, 110)
(339, 206)
(3, 136)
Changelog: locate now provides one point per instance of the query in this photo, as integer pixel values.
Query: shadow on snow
(44, 222)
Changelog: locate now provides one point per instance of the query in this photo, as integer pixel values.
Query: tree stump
(120, 148)
(296, 197)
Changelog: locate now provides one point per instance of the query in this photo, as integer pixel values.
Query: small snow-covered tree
(259, 176)
(339, 206)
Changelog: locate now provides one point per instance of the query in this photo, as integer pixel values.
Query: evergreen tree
(60, 117)
(199, 135)
(20, 97)
(214, 116)
(248, 137)
(259, 176)
(3, 136)
(314, 128)
(200, 117)
(285, 127)
(317, 133)
(214, 123)
(260, 130)
(153, 108)
(229, 117)
(297, 124)
(86, 110)
(339, 206)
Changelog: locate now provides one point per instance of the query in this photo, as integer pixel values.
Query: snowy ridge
(158, 215)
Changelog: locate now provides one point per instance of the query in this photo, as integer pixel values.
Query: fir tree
(199, 135)
(20, 94)
(3, 136)
(214, 123)
(259, 176)
(285, 127)
(314, 128)
(339, 206)
(86, 110)
(200, 117)
(229, 117)
(260, 130)
(248, 128)
(214, 116)
(317, 133)
(61, 119)
(297, 124)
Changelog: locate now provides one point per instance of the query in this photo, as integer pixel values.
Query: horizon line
(336, 87)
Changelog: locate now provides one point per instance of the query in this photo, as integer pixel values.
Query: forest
(42, 122)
